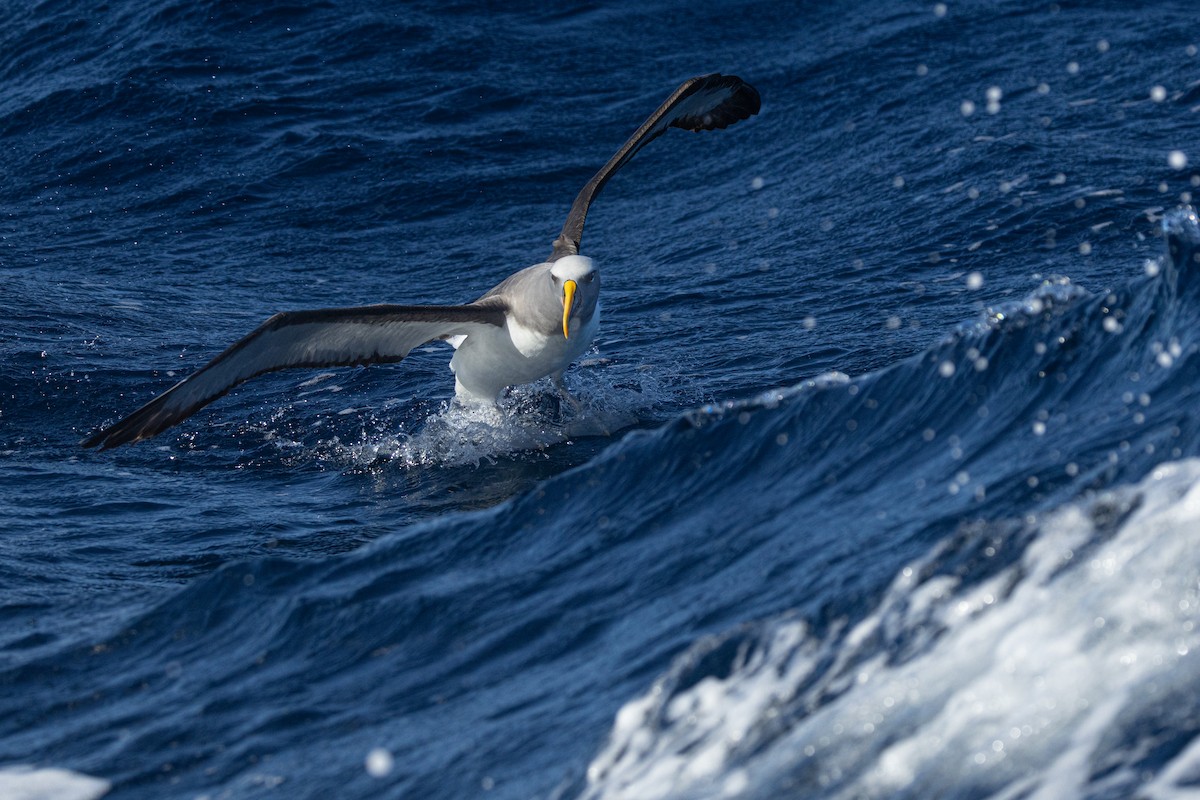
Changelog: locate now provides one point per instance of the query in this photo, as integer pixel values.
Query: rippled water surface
(884, 481)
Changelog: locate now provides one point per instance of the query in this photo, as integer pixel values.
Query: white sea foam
(528, 418)
(49, 783)
(1030, 683)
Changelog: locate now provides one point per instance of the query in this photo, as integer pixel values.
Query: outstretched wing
(332, 337)
(700, 104)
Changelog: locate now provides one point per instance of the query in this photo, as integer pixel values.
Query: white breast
(529, 343)
(487, 362)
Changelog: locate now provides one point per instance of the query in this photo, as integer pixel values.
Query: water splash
(527, 420)
(1047, 677)
(49, 783)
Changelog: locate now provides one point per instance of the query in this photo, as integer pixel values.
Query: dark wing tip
(730, 98)
(95, 439)
(130, 430)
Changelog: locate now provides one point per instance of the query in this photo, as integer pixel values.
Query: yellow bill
(568, 295)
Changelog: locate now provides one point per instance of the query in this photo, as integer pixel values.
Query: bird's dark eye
(589, 277)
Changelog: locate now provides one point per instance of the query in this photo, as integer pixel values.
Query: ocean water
(886, 479)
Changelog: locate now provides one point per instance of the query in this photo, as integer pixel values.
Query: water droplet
(379, 762)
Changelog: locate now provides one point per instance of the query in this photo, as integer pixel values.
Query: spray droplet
(379, 762)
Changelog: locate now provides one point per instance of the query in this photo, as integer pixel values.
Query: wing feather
(331, 337)
(704, 103)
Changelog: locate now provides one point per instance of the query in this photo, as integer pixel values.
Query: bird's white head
(575, 274)
(573, 268)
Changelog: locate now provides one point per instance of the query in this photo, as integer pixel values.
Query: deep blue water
(885, 483)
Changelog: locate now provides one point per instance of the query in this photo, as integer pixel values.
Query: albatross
(533, 324)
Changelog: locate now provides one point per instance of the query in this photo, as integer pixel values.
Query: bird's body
(530, 345)
(533, 324)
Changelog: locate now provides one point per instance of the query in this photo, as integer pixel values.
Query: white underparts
(486, 362)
